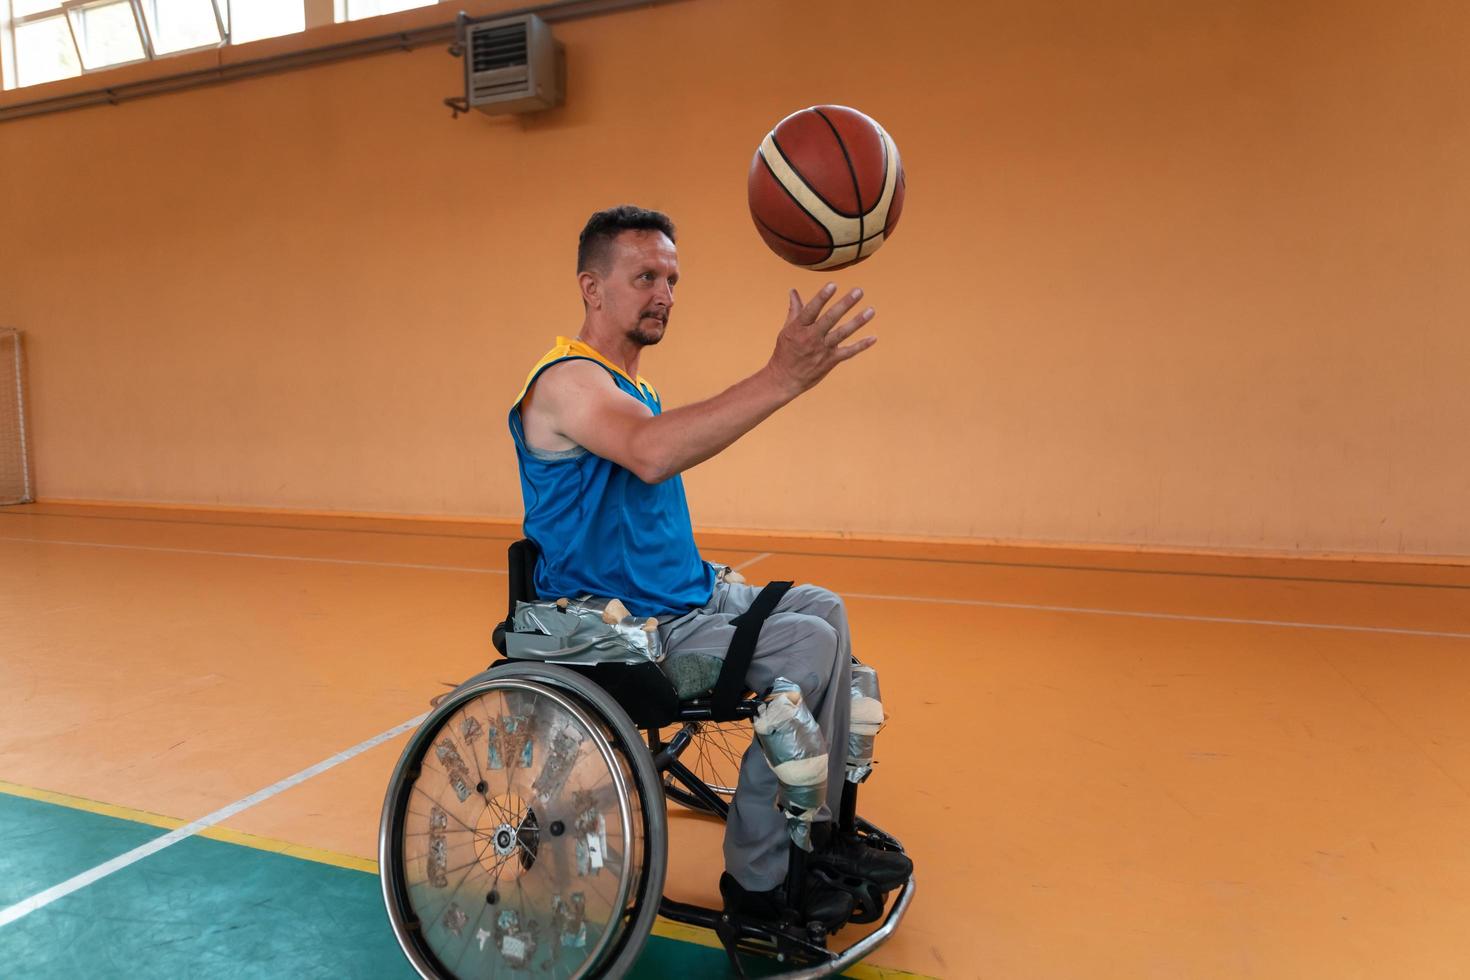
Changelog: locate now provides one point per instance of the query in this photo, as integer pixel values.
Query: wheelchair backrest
(520, 583)
(522, 568)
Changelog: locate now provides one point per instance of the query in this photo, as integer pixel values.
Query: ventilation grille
(501, 46)
(512, 65)
(505, 89)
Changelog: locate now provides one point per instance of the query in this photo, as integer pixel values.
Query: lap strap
(731, 683)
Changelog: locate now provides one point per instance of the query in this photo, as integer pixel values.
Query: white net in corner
(15, 469)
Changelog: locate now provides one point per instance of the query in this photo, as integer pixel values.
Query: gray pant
(805, 640)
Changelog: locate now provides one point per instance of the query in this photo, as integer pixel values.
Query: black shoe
(851, 857)
(828, 906)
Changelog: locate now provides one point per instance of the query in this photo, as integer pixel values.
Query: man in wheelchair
(599, 463)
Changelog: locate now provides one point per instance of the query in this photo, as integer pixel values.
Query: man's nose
(666, 293)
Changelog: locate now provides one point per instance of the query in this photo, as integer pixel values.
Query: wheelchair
(525, 832)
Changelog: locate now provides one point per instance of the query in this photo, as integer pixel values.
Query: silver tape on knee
(797, 751)
(864, 722)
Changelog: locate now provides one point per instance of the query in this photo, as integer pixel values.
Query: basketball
(826, 187)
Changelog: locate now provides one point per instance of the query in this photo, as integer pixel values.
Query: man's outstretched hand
(811, 342)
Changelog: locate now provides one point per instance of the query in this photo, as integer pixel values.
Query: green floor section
(42, 844)
(206, 909)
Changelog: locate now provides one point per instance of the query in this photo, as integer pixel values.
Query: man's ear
(591, 289)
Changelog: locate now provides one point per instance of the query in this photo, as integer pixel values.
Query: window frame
(221, 10)
(80, 7)
(11, 55)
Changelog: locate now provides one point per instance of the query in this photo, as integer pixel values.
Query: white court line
(746, 564)
(40, 900)
(1159, 615)
(249, 554)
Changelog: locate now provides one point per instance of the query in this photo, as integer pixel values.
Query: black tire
(595, 805)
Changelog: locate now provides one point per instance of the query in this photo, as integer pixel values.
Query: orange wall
(1168, 274)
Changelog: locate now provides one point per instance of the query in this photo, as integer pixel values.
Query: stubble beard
(646, 336)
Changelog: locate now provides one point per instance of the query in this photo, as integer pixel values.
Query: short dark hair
(604, 226)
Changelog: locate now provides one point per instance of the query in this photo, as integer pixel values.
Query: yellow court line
(91, 806)
(663, 928)
(316, 854)
(700, 936)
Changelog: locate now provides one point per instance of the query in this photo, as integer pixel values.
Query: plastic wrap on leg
(797, 752)
(863, 723)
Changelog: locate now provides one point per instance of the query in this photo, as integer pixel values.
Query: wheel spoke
(441, 809)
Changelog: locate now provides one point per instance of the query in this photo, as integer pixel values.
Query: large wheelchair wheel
(523, 832)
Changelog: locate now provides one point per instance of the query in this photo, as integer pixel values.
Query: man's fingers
(852, 326)
(838, 310)
(813, 307)
(854, 349)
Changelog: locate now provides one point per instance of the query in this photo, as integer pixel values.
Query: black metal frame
(690, 791)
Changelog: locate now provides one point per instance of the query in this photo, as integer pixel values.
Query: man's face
(638, 288)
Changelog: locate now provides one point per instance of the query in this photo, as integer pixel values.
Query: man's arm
(581, 403)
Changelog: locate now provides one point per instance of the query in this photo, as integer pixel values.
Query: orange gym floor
(1104, 764)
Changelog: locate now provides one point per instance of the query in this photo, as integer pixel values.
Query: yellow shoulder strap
(567, 347)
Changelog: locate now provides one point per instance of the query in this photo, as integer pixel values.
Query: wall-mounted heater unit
(510, 65)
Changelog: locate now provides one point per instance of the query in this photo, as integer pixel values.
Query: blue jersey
(601, 530)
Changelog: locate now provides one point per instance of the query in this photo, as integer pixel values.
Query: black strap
(731, 683)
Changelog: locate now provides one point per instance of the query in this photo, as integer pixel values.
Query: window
(106, 33)
(44, 51)
(44, 40)
(251, 20)
(183, 25)
(358, 9)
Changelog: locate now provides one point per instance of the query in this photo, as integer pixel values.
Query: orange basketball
(826, 187)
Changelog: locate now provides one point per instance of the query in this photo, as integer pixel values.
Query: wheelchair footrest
(792, 943)
(784, 942)
(867, 899)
